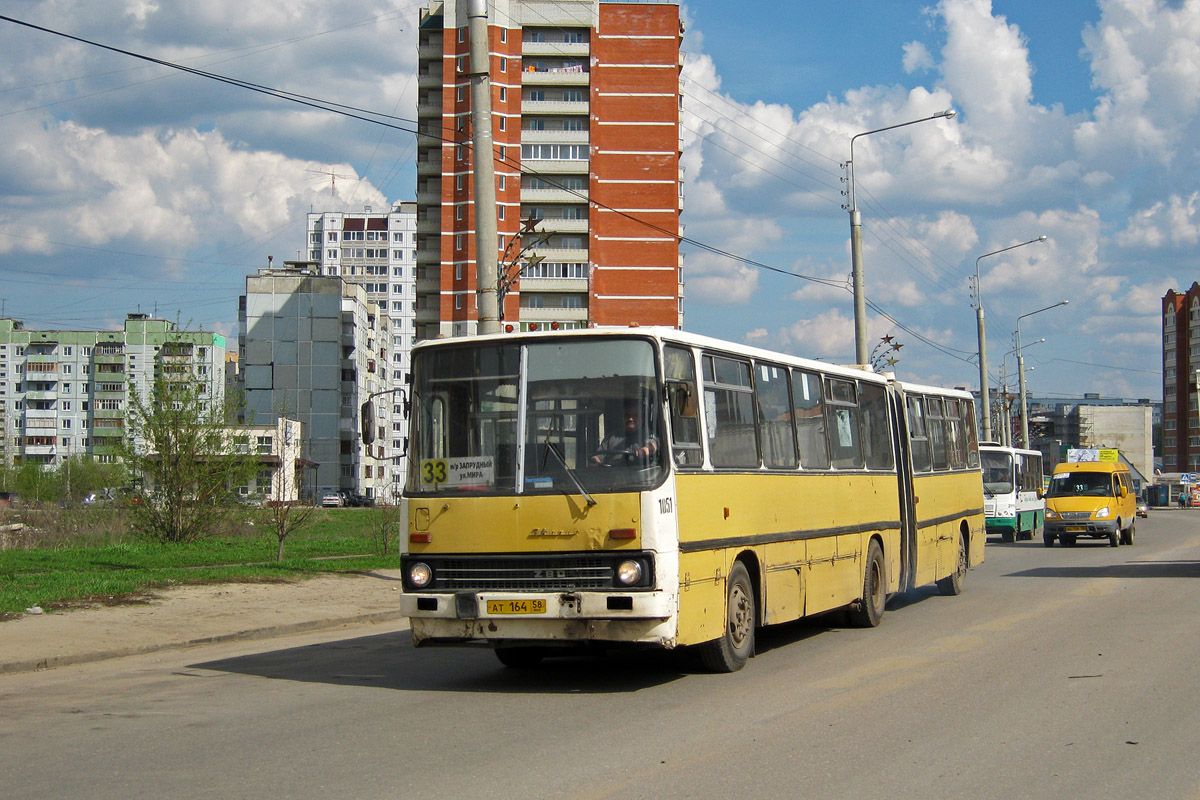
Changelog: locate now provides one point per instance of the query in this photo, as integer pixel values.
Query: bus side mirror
(367, 420)
(1124, 491)
(682, 401)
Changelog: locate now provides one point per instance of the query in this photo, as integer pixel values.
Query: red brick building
(585, 123)
(1181, 360)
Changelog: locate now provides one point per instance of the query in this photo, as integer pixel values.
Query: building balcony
(430, 78)
(552, 78)
(108, 413)
(563, 254)
(554, 314)
(41, 395)
(427, 315)
(553, 137)
(558, 166)
(431, 51)
(574, 107)
(38, 449)
(532, 285)
(429, 255)
(566, 49)
(560, 225)
(108, 358)
(429, 284)
(430, 225)
(430, 166)
(532, 196)
(430, 195)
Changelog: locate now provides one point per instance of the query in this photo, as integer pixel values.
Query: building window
(503, 64)
(458, 94)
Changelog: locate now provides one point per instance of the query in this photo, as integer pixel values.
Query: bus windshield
(574, 416)
(997, 471)
(1080, 484)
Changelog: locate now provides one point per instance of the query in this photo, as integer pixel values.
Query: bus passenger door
(904, 476)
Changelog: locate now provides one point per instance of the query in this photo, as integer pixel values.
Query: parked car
(332, 500)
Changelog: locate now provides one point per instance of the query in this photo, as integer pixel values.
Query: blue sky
(125, 186)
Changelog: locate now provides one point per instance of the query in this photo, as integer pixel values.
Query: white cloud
(916, 58)
(1175, 223)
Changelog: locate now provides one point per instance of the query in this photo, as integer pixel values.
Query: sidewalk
(189, 615)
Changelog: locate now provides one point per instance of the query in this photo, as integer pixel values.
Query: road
(1058, 673)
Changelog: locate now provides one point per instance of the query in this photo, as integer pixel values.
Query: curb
(50, 662)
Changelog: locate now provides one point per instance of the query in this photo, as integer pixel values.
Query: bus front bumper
(442, 618)
(1099, 528)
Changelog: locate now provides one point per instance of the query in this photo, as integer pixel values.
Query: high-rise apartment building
(585, 123)
(313, 348)
(65, 393)
(1181, 374)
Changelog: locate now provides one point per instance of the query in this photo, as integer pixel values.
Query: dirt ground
(185, 615)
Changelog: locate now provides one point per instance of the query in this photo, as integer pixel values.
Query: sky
(130, 186)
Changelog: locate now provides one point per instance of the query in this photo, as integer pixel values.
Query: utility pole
(486, 225)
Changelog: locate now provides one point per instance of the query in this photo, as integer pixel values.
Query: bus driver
(632, 445)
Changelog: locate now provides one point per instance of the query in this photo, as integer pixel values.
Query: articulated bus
(1013, 501)
(646, 486)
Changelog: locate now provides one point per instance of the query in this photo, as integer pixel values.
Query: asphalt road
(1059, 673)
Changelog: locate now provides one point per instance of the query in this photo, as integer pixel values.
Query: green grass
(56, 571)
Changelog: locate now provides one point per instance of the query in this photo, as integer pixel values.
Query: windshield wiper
(570, 472)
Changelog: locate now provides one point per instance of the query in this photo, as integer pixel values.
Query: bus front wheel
(730, 652)
(867, 612)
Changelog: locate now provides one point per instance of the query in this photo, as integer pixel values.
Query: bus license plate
(516, 606)
(1076, 529)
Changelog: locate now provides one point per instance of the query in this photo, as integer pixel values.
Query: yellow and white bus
(648, 486)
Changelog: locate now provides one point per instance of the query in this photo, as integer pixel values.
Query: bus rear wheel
(867, 612)
(730, 652)
(1127, 536)
(952, 584)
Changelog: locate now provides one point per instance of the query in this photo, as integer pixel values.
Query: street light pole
(860, 296)
(983, 374)
(1021, 372)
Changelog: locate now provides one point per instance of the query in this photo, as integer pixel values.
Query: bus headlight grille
(539, 573)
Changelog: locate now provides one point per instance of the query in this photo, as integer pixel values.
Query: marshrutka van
(1093, 499)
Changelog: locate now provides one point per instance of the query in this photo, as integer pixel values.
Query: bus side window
(809, 415)
(841, 413)
(936, 425)
(918, 435)
(955, 436)
(775, 419)
(682, 396)
(876, 433)
(729, 413)
(968, 416)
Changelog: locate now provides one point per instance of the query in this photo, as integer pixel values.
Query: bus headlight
(1051, 514)
(1102, 513)
(420, 575)
(629, 572)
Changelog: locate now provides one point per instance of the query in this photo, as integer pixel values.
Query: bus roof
(670, 335)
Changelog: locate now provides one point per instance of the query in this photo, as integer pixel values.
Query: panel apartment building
(65, 393)
(313, 348)
(377, 251)
(585, 123)
(1181, 363)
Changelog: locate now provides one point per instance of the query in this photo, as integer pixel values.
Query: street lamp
(983, 375)
(1005, 414)
(860, 298)
(1021, 372)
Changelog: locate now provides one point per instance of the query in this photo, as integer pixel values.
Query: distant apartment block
(585, 122)
(1181, 374)
(67, 392)
(313, 348)
(377, 251)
